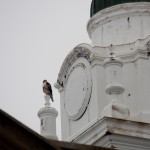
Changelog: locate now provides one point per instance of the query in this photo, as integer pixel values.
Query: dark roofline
(98, 5)
(16, 136)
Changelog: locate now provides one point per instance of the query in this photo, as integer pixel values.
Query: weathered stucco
(124, 30)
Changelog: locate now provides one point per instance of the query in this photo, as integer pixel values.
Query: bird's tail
(52, 98)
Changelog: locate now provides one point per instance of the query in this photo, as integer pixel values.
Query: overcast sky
(35, 38)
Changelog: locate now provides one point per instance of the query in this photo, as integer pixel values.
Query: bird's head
(44, 81)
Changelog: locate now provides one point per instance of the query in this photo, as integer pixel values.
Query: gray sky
(35, 38)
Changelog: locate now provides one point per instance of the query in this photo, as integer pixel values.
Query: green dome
(98, 5)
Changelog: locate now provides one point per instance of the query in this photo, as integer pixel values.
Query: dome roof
(98, 5)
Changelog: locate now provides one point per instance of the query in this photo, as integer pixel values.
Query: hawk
(47, 89)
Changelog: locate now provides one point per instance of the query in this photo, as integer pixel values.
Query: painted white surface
(120, 24)
(113, 132)
(47, 116)
(114, 88)
(77, 88)
(131, 77)
(134, 76)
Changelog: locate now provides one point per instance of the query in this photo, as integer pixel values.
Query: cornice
(117, 11)
(100, 128)
(47, 110)
(128, 53)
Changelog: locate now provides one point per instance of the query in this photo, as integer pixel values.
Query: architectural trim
(80, 51)
(108, 130)
(117, 11)
(127, 52)
(81, 82)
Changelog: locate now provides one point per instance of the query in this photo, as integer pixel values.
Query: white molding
(47, 116)
(47, 111)
(128, 53)
(115, 133)
(81, 50)
(76, 106)
(117, 11)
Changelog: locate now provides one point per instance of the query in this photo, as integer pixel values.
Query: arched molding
(81, 51)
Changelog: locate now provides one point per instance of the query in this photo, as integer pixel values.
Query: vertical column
(114, 88)
(47, 117)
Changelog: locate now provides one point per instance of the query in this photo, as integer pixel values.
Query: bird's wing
(50, 88)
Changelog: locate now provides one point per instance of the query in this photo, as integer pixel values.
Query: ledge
(117, 11)
(99, 130)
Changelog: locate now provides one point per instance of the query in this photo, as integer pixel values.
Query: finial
(47, 117)
(114, 88)
(47, 99)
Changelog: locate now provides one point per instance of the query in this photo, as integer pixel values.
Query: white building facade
(105, 86)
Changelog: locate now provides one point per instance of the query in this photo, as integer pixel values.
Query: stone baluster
(114, 88)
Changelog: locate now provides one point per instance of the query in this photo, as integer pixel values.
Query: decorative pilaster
(114, 88)
(47, 117)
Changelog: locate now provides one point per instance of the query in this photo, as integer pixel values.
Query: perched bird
(47, 89)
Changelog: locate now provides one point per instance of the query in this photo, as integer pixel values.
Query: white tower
(106, 102)
(47, 117)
